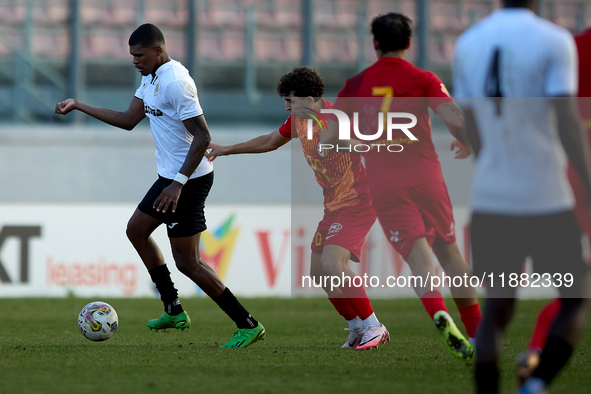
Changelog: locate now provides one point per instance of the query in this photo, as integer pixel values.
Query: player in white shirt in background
(517, 74)
(167, 95)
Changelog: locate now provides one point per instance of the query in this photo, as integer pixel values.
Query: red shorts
(416, 212)
(345, 227)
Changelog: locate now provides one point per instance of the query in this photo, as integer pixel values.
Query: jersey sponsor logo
(151, 111)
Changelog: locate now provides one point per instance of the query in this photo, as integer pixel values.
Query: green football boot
(180, 322)
(456, 343)
(244, 337)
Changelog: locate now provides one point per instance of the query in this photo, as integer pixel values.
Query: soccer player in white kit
(518, 73)
(168, 97)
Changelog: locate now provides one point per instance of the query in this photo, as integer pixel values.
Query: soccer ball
(98, 321)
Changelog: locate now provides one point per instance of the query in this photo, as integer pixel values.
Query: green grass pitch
(42, 351)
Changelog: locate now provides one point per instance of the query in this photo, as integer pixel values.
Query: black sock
(487, 378)
(168, 293)
(554, 356)
(235, 310)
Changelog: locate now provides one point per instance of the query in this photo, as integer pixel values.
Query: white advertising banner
(57, 250)
(82, 249)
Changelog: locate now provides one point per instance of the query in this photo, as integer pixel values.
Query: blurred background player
(167, 95)
(348, 214)
(529, 359)
(407, 189)
(522, 203)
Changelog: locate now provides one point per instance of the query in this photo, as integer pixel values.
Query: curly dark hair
(392, 31)
(302, 82)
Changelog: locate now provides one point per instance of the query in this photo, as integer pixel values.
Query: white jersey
(170, 97)
(521, 168)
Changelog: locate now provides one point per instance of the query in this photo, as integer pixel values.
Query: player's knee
(448, 254)
(133, 233)
(185, 262)
(331, 266)
(316, 272)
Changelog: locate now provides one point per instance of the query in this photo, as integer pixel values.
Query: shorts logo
(334, 228)
(171, 226)
(451, 230)
(394, 238)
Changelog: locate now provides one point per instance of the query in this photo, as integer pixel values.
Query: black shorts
(189, 218)
(500, 244)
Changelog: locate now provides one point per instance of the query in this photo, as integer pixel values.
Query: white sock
(371, 321)
(355, 324)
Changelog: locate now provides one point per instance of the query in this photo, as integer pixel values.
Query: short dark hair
(146, 36)
(518, 3)
(392, 31)
(302, 82)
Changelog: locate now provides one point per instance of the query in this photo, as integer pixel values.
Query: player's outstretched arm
(574, 138)
(260, 144)
(453, 117)
(126, 120)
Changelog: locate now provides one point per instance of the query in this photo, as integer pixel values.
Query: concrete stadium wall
(105, 164)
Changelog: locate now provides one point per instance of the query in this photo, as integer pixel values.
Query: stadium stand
(40, 31)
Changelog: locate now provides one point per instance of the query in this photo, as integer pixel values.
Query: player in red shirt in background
(528, 360)
(407, 189)
(348, 214)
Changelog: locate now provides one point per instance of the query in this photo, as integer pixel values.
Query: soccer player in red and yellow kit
(407, 188)
(348, 214)
(529, 359)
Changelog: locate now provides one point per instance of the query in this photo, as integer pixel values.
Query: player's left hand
(462, 151)
(169, 196)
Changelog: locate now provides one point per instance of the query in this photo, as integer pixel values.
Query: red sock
(343, 306)
(357, 297)
(543, 323)
(433, 302)
(471, 317)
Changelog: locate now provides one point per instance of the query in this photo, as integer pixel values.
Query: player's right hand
(64, 107)
(460, 150)
(215, 150)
